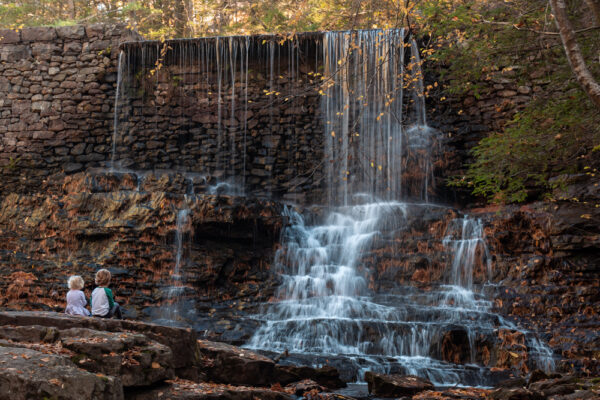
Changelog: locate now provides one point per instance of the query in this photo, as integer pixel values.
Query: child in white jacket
(76, 302)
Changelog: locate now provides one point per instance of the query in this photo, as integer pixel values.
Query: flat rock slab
(396, 385)
(179, 340)
(188, 390)
(29, 374)
(135, 359)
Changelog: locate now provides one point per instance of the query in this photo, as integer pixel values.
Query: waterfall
(175, 291)
(121, 66)
(378, 155)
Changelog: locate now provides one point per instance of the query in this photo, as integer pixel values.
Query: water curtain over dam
(340, 116)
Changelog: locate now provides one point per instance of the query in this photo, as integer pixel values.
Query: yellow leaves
(515, 355)
(332, 133)
(586, 216)
(155, 365)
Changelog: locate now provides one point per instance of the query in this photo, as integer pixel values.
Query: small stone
(53, 71)
(70, 168)
(524, 89)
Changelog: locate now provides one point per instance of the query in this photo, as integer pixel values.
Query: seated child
(102, 301)
(76, 302)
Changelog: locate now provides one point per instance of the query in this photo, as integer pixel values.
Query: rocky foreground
(51, 355)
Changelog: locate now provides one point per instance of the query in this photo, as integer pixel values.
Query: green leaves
(547, 139)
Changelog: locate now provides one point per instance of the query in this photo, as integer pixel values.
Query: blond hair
(75, 282)
(103, 277)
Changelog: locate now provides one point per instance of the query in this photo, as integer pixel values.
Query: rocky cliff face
(544, 262)
(103, 221)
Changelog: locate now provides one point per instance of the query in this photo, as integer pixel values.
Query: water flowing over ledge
(378, 156)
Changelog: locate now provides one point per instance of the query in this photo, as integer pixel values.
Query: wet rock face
(96, 221)
(546, 256)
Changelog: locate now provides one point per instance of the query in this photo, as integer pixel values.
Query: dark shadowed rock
(536, 375)
(29, 374)
(326, 376)
(307, 385)
(230, 364)
(515, 394)
(396, 385)
(187, 390)
(557, 386)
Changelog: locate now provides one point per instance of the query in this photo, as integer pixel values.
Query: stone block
(44, 50)
(78, 149)
(99, 45)
(43, 135)
(9, 36)
(38, 34)
(14, 53)
(20, 106)
(94, 31)
(40, 106)
(72, 48)
(71, 32)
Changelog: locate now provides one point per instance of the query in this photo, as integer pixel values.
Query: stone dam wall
(57, 97)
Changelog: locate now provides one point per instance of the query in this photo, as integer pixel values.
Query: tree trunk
(594, 6)
(576, 60)
(71, 8)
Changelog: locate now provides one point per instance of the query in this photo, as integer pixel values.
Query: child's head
(75, 282)
(103, 277)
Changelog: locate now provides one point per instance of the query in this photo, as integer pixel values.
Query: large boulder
(29, 374)
(137, 360)
(225, 363)
(396, 385)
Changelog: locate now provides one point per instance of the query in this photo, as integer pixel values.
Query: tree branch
(520, 28)
(574, 55)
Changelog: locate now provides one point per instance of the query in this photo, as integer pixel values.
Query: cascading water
(378, 156)
(376, 145)
(171, 312)
(118, 89)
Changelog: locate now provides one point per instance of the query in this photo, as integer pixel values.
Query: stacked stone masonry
(57, 96)
(56, 93)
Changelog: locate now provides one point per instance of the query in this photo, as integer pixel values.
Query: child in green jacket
(102, 300)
